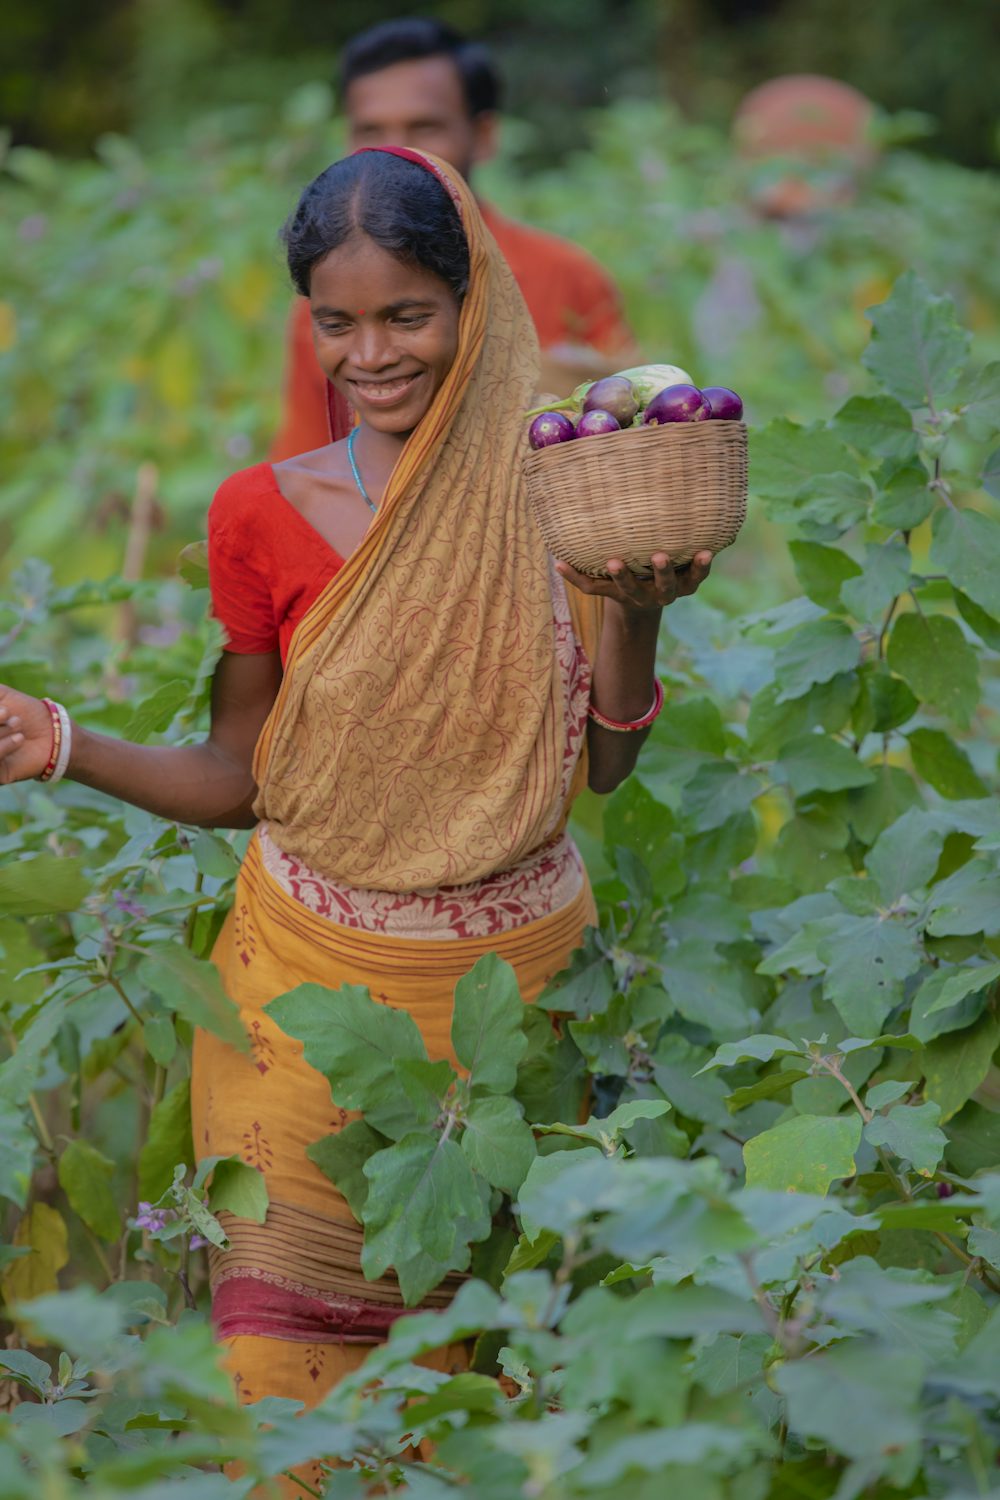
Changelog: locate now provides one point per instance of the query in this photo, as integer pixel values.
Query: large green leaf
(157, 712)
(819, 763)
(191, 987)
(487, 1027)
(498, 1143)
(239, 1189)
(803, 1155)
(634, 820)
(867, 959)
(956, 1064)
(821, 571)
(342, 1158)
(886, 575)
(911, 1132)
(18, 1154)
(858, 1398)
(966, 547)
(932, 654)
(354, 1042)
(168, 1142)
(86, 1176)
(905, 498)
(817, 652)
(906, 855)
(951, 999)
(981, 406)
(46, 883)
(425, 1206)
(917, 349)
(943, 764)
(877, 425)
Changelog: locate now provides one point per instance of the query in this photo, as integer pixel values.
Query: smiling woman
(409, 701)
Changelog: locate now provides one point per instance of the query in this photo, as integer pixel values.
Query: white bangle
(65, 746)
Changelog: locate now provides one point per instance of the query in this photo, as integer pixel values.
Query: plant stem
(116, 985)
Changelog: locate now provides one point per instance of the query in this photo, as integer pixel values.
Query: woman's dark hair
(397, 203)
(413, 38)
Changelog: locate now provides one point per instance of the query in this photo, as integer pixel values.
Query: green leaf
(821, 571)
(771, 724)
(871, 809)
(803, 1155)
(817, 652)
(856, 1399)
(932, 654)
(18, 1154)
(886, 575)
(354, 1042)
(950, 999)
(944, 765)
(806, 473)
(905, 499)
(487, 1027)
(881, 1094)
(634, 820)
(877, 425)
(758, 1048)
(156, 713)
(705, 987)
(966, 547)
(606, 1131)
(46, 883)
(966, 902)
(342, 1158)
(956, 1064)
(214, 856)
(85, 1176)
(168, 1142)
(497, 1142)
(771, 1086)
(867, 960)
(906, 855)
(990, 479)
(911, 1132)
(973, 1140)
(191, 987)
(819, 763)
(425, 1205)
(917, 348)
(984, 625)
(192, 564)
(159, 1038)
(239, 1189)
(981, 409)
(986, 1244)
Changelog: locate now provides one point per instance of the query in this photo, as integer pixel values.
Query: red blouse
(266, 564)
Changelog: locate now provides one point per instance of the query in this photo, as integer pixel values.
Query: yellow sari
(415, 777)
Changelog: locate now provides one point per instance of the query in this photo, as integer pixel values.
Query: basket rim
(656, 431)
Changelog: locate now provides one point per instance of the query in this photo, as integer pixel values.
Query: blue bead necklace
(354, 470)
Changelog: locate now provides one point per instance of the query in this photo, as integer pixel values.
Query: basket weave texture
(678, 488)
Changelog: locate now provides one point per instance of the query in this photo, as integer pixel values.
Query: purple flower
(151, 1218)
(126, 905)
(197, 1242)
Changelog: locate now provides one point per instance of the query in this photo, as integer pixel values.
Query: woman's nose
(373, 346)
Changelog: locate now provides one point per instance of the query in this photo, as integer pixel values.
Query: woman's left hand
(667, 583)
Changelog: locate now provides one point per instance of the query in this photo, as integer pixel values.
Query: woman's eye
(334, 329)
(413, 322)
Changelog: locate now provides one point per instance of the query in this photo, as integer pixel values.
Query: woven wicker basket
(678, 488)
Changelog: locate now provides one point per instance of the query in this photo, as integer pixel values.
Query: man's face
(420, 104)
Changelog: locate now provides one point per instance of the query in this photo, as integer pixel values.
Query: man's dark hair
(416, 37)
(400, 205)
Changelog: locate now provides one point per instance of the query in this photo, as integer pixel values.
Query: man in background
(419, 83)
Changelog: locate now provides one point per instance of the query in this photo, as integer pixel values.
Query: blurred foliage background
(71, 71)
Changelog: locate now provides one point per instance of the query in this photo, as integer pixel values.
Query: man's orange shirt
(570, 297)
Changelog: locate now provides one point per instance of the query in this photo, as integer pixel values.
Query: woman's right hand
(25, 736)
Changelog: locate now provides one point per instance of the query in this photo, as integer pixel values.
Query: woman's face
(386, 333)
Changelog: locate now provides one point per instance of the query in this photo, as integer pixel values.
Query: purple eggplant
(677, 403)
(550, 427)
(594, 423)
(726, 405)
(614, 394)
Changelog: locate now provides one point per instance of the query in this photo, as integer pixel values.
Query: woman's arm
(625, 670)
(210, 784)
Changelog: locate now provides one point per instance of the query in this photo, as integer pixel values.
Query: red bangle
(630, 727)
(50, 764)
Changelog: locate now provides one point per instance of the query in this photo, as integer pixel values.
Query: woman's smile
(385, 392)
